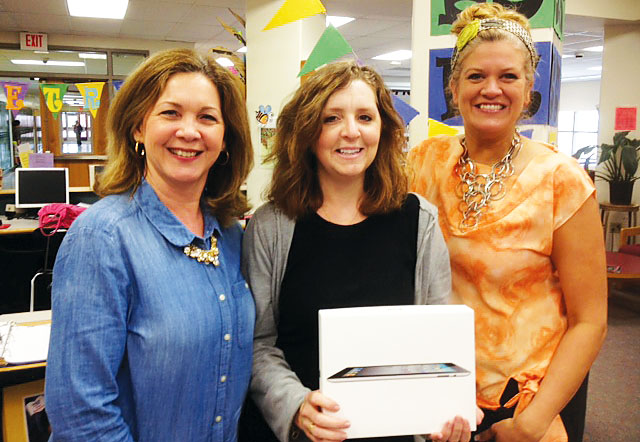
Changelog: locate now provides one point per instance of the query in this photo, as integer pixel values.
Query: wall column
(618, 87)
(272, 64)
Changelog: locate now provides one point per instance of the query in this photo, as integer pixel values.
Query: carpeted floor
(613, 406)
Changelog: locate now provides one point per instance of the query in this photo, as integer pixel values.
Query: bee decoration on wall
(263, 114)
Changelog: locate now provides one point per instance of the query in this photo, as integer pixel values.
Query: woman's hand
(513, 430)
(457, 430)
(317, 425)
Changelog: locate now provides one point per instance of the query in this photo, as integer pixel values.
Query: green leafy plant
(587, 151)
(620, 159)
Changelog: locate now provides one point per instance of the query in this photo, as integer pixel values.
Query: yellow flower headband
(472, 30)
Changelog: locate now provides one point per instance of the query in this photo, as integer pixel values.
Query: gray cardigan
(274, 387)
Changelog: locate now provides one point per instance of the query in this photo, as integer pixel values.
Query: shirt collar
(166, 222)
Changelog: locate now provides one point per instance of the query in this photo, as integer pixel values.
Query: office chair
(43, 278)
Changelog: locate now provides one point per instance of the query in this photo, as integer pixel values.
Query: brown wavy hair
(490, 10)
(125, 169)
(295, 188)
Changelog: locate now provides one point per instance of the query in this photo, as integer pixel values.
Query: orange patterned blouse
(503, 268)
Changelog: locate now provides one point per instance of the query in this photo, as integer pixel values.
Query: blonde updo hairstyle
(496, 11)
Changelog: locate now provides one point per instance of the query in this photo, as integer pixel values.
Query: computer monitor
(94, 171)
(38, 187)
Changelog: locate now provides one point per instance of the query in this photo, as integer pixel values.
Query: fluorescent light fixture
(242, 49)
(568, 56)
(224, 61)
(581, 78)
(402, 54)
(338, 21)
(40, 52)
(595, 68)
(49, 62)
(115, 9)
(94, 55)
(594, 49)
(396, 62)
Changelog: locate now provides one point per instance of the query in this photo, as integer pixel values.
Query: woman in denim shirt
(152, 320)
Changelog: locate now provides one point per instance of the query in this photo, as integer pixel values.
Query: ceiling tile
(157, 10)
(47, 23)
(8, 22)
(95, 26)
(190, 32)
(58, 7)
(145, 29)
(207, 15)
(236, 5)
(382, 9)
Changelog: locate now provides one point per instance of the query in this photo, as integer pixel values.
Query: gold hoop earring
(139, 149)
(226, 160)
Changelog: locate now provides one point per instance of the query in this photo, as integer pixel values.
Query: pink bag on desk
(58, 216)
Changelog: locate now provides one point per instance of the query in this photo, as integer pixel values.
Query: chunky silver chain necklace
(477, 190)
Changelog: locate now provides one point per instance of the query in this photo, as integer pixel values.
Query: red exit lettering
(34, 40)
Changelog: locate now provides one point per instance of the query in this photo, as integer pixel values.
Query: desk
(18, 374)
(18, 225)
(606, 209)
(629, 265)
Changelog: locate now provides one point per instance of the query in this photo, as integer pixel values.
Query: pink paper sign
(626, 118)
(41, 160)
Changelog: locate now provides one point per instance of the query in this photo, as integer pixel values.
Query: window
(577, 130)
(68, 65)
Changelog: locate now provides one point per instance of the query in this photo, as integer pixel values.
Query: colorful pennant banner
(407, 113)
(91, 93)
(53, 93)
(293, 10)
(330, 46)
(438, 128)
(16, 91)
(117, 84)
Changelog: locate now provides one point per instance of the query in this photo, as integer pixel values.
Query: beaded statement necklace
(210, 256)
(477, 190)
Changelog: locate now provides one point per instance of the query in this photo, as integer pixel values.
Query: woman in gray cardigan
(339, 230)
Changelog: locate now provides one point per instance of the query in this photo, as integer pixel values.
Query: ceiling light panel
(114, 9)
(400, 55)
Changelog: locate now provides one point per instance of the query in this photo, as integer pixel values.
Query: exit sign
(30, 41)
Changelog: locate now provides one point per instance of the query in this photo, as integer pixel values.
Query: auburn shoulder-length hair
(125, 169)
(295, 188)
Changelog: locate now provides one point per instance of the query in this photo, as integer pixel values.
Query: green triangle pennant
(53, 93)
(330, 46)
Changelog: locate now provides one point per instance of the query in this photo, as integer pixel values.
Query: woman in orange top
(522, 227)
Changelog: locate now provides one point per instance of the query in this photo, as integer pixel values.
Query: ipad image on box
(399, 371)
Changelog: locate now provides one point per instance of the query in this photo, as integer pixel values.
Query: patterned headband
(472, 30)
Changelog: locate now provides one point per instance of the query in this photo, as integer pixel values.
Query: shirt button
(222, 297)
(218, 419)
(227, 337)
(223, 378)
(246, 285)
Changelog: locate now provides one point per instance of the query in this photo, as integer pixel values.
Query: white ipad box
(399, 370)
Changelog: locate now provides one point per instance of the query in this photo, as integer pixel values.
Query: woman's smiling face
(351, 125)
(492, 90)
(183, 133)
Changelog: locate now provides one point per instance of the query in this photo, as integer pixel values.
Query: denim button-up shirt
(147, 344)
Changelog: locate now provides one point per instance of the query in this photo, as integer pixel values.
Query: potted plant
(588, 152)
(620, 166)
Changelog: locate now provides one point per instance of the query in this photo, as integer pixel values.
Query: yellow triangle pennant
(91, 93)
(293, 10)
(438, 128)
